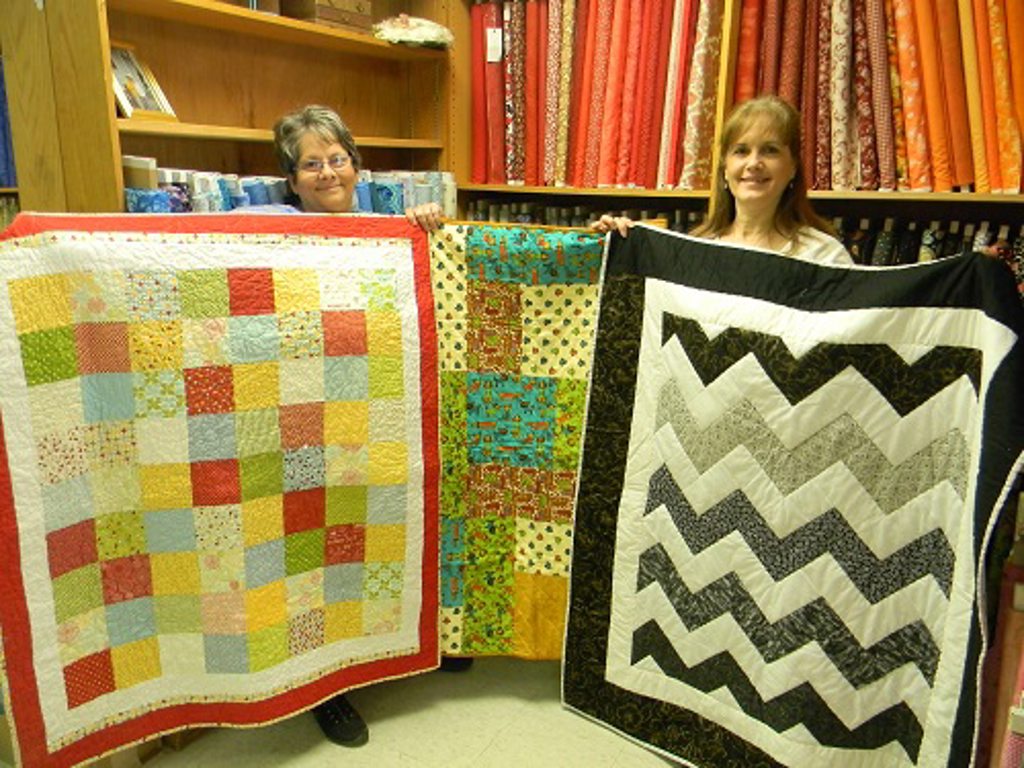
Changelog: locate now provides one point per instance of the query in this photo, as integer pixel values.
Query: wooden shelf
(201, 132)
(633, 192)
(829, 195)
(8, 190)
(916, 197)
(231, 18)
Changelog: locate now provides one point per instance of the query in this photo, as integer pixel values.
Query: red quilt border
(27, 724)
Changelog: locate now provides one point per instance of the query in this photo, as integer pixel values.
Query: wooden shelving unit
(227, 71)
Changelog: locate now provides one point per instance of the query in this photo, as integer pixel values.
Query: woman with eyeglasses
(318, 155)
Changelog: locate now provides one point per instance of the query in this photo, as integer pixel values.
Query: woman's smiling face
(758, 167)
(324, 177)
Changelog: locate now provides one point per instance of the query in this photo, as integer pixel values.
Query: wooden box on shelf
(348, 14)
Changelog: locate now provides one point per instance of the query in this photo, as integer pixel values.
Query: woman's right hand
(607, 223)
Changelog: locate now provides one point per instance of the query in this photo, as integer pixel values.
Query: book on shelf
(8, 176)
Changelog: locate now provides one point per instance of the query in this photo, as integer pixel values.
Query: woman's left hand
(427, 216)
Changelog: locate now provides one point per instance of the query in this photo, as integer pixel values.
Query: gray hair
(322, 121)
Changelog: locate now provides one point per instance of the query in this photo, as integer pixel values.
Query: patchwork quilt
(789, 477)
(218, 499)
(516, 308)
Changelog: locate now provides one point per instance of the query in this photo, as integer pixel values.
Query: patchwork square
(102, 348)
(253, 339)
(387, 420)
(387, 504)
(300, 334)
(215, 482)
(223, 613)
(256, 385)
(159, 394)
(163, 440)
(251, 291)
(56, 407)
(126, 578)
(302, 425)
(383, 334)
(262, 519)
(67, 503)
(218, 528)
(175, 573)
(346, 504)
(130, 621)
(98, 297)
(205, 342)
(347, 422)
(262, 475)
(346, 378)
(510, 419)
(209, 390)
(343, 620)
(345, 544)
(152, 295)
(264, 564)
(266, 605)
(304, 510)
(344, 334)
(203, 293)
(136, 662)
(304, 468)
(89, 678)
(77, 592)
(296, 290)
(48, 355)
(170, 530)
(343, 582)
(72, 547)
(177, 615)
(211, 437)
(108, 397)
(41, 303)
(301, 381)
(257, 432)
(166, 486)
(155, 346)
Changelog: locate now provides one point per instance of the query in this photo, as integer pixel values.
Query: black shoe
(341, 723)
(455, 663)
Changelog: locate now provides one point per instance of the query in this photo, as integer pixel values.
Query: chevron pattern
(785, 711)
(828, 534)
(905, 386)
(788, 477)
(731, 423)
(891, 484)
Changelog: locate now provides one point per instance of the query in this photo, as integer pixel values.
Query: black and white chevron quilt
(790, 475)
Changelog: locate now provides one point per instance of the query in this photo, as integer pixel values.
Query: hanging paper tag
(493, 44)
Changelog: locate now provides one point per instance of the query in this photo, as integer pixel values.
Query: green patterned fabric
(516, 309)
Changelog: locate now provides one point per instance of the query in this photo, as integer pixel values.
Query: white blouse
(812, 244)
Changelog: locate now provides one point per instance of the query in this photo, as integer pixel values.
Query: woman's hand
(606, 223)
(427, 216)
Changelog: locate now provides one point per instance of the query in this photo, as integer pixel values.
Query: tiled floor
(501, 712)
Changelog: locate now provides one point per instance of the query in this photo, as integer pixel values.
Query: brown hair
(794, 209)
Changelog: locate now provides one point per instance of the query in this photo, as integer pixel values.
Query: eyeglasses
(315, 165)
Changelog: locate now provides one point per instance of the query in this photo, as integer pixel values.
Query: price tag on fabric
(493, 44)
